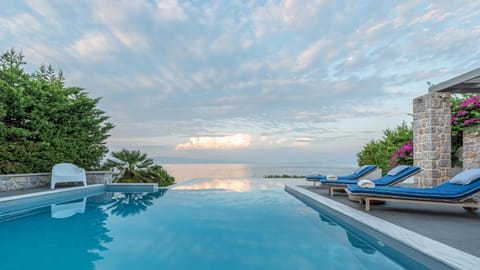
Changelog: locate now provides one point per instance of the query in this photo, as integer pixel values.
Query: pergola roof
(466, 83)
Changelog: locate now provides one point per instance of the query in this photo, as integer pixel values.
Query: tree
(379, 152)
(43, 122)
(132, 166)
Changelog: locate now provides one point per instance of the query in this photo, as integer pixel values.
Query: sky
(294, 81)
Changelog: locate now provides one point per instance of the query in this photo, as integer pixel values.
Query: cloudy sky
(248, 81)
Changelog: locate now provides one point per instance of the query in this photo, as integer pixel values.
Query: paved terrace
(446, 224)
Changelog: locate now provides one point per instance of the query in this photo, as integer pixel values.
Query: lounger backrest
(393, 179)
(459, 191)
(65, 168)
(363, 170)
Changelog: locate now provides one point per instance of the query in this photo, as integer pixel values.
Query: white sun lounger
(67, 172)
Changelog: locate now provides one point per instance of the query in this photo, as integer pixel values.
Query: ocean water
(183, 172)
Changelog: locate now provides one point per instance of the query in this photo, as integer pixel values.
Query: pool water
(203, 224)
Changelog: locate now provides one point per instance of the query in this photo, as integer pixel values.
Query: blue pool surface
(203, 224)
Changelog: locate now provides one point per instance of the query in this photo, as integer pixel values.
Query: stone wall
(432, 138)
(471, 147)
(10, 182)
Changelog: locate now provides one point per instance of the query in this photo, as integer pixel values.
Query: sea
(183, 172)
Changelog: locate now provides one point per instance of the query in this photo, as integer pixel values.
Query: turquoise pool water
(205, 224)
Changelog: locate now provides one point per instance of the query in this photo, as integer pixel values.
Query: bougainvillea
(465, 114)
(403, 156)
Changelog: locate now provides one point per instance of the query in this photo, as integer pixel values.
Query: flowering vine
(465, 114)
(404, 155)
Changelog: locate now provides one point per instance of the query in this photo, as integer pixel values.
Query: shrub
(380, 152)
(43, 122)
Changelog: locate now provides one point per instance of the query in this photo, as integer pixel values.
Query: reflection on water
(68, 209)
(327, 220)
(67, 235)
(357, 242)
(183, 172)
(237, 185)
(49, 243)
(354, 240)
(130, 204)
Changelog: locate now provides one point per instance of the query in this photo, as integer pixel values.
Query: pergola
(432, 130)
(466, 83)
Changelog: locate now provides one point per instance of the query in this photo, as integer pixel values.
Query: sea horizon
(188, 171)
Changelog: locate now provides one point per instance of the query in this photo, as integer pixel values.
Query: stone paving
(450, 225)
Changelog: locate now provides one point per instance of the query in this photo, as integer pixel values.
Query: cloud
(125, 19)
(45, 9)
(281, 72)
(217, 142)
(94, 46)
(170, 10)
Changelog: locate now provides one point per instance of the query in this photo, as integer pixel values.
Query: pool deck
(450, 225)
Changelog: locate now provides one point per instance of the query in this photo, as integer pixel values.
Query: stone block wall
(10, 182)
(432, 138)
(471, 147)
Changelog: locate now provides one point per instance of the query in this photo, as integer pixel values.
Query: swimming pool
(204, 224)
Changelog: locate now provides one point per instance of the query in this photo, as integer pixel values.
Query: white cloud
(170, 10)
(94, 46)
(302, 141)
(46, 10)
(21, 24)
(123, 18)
(217, 142)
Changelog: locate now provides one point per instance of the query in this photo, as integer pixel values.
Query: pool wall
(37, 199)
(407, 242)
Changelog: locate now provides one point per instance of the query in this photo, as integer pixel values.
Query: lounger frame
(362, 177)
(470, 203)
(343, 187)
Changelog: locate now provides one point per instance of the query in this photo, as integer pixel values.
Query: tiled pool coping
(443, 253)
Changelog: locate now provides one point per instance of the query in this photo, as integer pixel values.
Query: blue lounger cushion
(360, 172)
(443, 192)
(382, 181)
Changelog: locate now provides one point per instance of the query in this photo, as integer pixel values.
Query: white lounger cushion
(332, 177)
(364, 183)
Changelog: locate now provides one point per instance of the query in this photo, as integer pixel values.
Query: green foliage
(379, 152)
(465, 111)
(132, 166)
(43, 122)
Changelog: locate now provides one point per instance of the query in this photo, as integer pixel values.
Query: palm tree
(128, 163)
(133, 166)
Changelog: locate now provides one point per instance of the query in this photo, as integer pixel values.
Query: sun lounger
(357, 174)
(67, 172)
(393, 177)
(452, 192)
